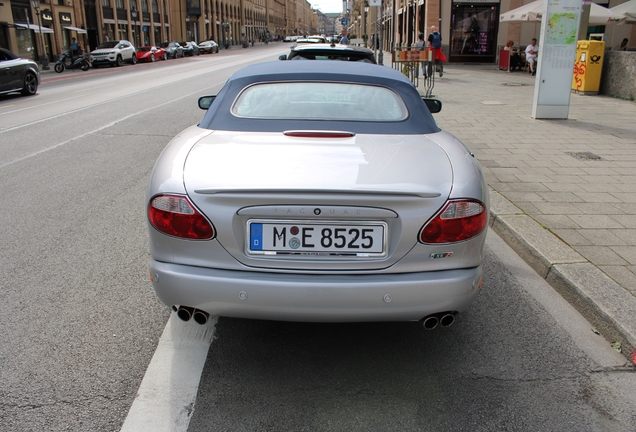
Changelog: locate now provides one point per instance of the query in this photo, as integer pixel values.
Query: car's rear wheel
(133, 59)
(217, 49)
(30, 85)
(152, 57)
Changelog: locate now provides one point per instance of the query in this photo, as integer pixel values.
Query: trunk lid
(229, 161)
(236, 178)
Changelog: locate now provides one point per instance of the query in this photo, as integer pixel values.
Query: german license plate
(317, 238)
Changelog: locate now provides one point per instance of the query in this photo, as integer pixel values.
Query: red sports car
(150, 53)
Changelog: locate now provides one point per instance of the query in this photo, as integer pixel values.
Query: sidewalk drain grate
(491, 103)
(514, 84)
(584, 156)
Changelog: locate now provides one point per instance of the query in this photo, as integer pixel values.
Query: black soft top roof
(419, 121)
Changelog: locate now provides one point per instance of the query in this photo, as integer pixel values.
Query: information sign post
(557, 51)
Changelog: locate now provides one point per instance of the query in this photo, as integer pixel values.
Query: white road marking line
(166, 396)
(205, 70)
(46, 149)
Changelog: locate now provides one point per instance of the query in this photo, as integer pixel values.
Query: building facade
(32, 28)
(470, 29)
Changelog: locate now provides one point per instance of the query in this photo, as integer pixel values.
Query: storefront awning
(34, 27)
(78, 30)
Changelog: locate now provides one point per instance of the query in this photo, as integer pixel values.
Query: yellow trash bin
(588, 66)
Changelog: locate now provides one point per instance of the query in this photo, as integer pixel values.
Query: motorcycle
(82, 61)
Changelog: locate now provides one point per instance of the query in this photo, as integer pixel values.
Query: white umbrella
(532, 13)
(599, 15)
(625, 11)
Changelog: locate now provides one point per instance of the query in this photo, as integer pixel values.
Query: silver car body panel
(316, 298)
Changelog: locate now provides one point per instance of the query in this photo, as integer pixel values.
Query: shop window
(24, 42)
(122, 31)
(474, 30)
(109, 32)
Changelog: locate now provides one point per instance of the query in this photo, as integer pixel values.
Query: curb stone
(610, 309)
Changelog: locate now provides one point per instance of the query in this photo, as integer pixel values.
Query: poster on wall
(557, 50)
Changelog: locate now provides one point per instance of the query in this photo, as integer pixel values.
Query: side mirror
(282, 57)
(206, 101)
(433, 105)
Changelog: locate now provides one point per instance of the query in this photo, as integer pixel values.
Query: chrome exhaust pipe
(447, 320)
(430, 322)
(200, 317)
(185, 313)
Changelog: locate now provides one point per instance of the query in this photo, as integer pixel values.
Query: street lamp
(133, 13)
(26, 15)
(45, 59)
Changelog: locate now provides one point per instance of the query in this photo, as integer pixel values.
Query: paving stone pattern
(563, 191)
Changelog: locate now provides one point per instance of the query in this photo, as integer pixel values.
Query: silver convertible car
(317, 191)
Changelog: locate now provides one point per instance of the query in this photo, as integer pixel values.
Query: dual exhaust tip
(446, 319)
(431, 322)
(185, 313)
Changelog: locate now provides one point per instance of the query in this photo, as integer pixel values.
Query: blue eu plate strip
(256, 236)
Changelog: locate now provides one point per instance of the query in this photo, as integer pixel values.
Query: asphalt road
(80, 321)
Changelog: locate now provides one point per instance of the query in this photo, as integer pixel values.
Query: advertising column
(557, 49)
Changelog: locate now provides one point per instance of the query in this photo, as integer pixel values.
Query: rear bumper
(316, 298)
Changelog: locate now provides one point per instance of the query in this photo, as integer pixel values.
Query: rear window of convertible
(320, 101)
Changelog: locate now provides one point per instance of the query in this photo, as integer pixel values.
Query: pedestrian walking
(344, 40)
(435, 44)
(420, 45)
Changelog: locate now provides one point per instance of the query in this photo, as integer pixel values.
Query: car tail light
(459, 220)
(176, 216)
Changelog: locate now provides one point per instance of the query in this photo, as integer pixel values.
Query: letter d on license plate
(309, 237)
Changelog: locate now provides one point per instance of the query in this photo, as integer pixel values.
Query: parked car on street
(18, 74)
(321, 51)
(150, 53)
(172, 50)
(320, 39)
(113, 53)
(190, 48)
(300, 41)
(317, 191)
(208, 47)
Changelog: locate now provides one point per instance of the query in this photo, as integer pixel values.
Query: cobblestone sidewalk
(563, 191)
